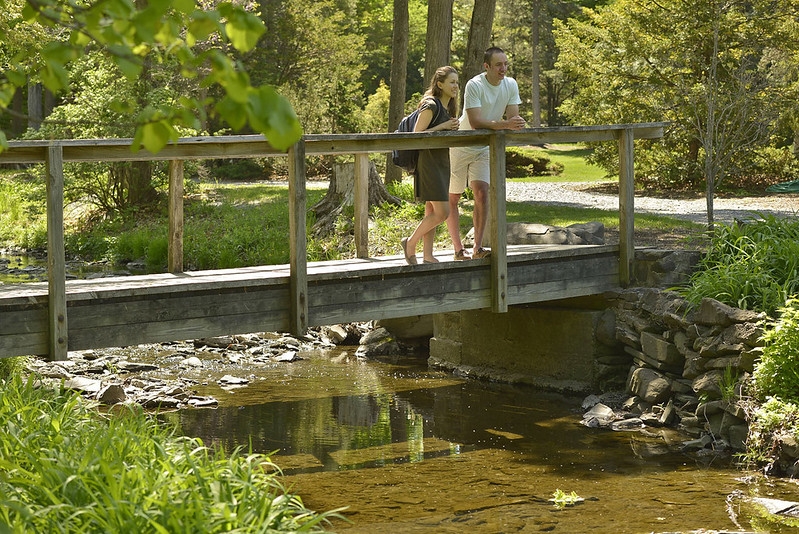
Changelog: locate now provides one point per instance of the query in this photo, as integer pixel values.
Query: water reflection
(16, 269)
(374, 425)
(409, 449)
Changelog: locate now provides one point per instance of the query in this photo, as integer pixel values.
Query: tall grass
(225, 226)
(752, 265)
(22, 218)
(66, 468)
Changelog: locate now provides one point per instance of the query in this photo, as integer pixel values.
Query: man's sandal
(481, 253)
(461, 255)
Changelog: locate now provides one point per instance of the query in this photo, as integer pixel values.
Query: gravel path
(585, 195)
(577, 194)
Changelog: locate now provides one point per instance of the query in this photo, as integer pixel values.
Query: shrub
(777, 374)
(522, 163)
(752, 265)
(769, 423)
(236, 170)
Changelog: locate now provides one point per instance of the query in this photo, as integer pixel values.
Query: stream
(409, 449)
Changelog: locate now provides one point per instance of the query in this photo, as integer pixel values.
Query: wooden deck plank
(154, 308)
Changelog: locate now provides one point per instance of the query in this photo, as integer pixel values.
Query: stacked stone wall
(688, 364)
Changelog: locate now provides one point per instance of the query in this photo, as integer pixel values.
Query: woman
(438, 111)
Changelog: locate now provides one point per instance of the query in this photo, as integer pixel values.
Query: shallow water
(17, 269)
(410, 449)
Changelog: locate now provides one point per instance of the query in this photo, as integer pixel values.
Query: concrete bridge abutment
(566, 346)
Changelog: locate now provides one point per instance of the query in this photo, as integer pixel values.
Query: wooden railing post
(56, 260)
(298, 242)
(498, 226)
(175, 245)
(361, 205)
(626, 207)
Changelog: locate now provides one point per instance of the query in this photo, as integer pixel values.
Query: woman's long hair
(434, 90)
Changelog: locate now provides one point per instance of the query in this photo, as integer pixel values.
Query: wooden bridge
(52, 318)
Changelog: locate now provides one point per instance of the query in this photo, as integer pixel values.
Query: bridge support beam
(361, 204)
(176, 224)
(626, 206)
(498, 226)
(56, 255)
(298, 242)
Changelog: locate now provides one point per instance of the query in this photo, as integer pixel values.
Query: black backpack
(407, 159)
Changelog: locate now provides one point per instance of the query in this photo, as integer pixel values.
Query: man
(488, 98)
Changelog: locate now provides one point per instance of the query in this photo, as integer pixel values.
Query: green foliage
(402, 189)
(375, 115)
(22, 219)
(770, 422)
(66, 468)
(315, 56)
(774, 164)
(753, 265)
(728, 383)
(133, 38)
(237, 170)
(634, 62)
(777, 373)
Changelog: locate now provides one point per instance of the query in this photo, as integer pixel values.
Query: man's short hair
(489, 53)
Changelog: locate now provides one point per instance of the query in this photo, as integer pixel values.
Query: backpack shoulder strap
(439, 108)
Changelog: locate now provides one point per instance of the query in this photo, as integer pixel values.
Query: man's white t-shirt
(493, 99)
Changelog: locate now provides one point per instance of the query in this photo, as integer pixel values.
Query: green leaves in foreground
(174, 32)
(64, 467)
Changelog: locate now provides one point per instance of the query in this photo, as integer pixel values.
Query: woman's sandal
(411, 259)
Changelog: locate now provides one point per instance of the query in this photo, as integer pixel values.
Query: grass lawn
(572, 158)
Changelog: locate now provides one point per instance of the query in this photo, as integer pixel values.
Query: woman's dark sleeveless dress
(431, 179)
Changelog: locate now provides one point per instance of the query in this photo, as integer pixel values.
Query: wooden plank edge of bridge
(166, 283)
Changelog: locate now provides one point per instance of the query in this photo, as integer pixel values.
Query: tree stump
(341, 193)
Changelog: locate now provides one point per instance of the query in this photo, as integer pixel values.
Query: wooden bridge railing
(55, 153)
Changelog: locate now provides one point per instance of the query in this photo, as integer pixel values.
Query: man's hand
(516, 123)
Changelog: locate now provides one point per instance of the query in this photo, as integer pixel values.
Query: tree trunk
(35, 103)
(439, 37)
(341, 193)
(140, 186)
(479, 39)
(399, 72)
(18, 117)
(536, 66)
(141, 191)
